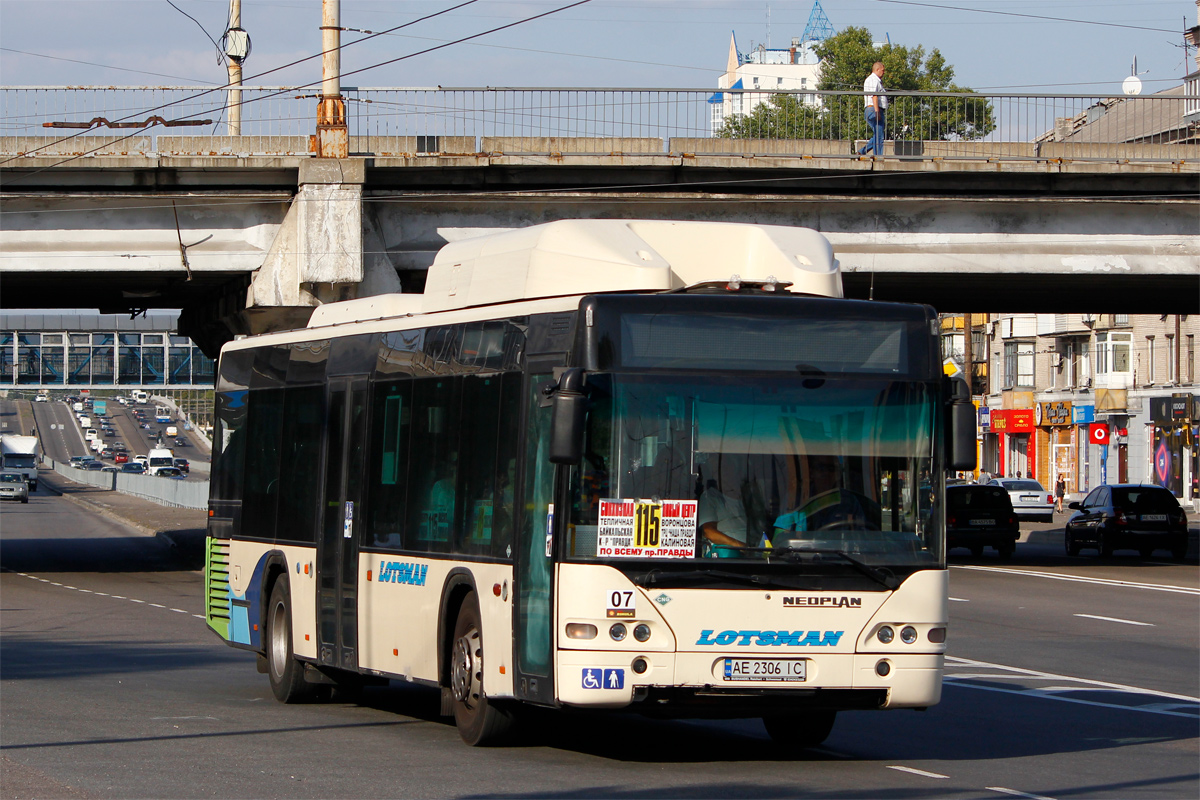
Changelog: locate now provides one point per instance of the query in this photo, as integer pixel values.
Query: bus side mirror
(568, 415)
(961, 434)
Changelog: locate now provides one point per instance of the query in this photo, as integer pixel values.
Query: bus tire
(479, 722)
(286, 673)
(801, 729)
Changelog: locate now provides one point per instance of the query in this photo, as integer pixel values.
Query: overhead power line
(268, 96)
(1027, 16)
(103, 66)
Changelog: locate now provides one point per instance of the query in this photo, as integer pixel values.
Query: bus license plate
(764, 669)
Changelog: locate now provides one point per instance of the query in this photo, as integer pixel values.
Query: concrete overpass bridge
(249, 233)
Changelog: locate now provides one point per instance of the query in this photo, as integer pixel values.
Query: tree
(846, 60)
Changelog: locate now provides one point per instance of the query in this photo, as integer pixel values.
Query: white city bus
(597, 464)
(162, 414)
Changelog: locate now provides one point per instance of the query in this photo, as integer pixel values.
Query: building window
(1112, 352)
(1018, 365)
(1191, 358)
(1150, 359)
(1172, 374)
(1120, 319)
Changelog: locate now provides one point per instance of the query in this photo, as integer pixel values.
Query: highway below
(1066, 678)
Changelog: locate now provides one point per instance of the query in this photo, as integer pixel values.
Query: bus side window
(388, 491)
(431, 513)
(477, 465)
(508, 449)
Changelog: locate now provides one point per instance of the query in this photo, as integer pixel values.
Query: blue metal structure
(818, 28)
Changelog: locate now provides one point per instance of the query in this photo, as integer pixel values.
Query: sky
(610, 43)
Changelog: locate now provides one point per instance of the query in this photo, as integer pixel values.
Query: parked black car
(1128, 517)
(979, 516)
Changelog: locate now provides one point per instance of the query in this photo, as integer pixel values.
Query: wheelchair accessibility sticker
(597, 678)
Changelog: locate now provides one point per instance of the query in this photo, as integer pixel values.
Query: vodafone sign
(1098, 433)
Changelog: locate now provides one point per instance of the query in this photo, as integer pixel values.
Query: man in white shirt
(875, 98)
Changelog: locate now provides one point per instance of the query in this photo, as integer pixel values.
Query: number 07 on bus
(600, 464)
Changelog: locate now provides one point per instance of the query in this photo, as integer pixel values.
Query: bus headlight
(937, 635)
(617, 632)
(908, 634)
(641, 632)
(886, 635)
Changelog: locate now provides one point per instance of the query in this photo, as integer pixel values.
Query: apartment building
(1093, 397)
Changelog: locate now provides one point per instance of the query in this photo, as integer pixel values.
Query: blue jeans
(876, 123)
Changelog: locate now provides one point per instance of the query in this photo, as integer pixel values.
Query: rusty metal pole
(235, 74)
(333, 138)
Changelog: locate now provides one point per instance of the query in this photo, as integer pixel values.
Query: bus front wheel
(803, 729)
(285, 672)
(479, 721)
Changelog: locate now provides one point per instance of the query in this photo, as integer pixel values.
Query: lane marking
(1156, 587)
(1114, 619)
(958, 600)
(1015, 793)
(1156, 708)
(920, 772)
(969, 662)
(106, 594)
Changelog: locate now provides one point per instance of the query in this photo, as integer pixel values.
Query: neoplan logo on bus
(822, 602)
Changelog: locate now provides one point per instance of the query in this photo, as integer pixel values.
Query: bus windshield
(749, 468)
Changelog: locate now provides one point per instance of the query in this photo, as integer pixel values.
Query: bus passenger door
(337, 600)
(533, 566)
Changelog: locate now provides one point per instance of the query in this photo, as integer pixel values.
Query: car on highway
(134, 467)
(41, 398)
(120, 457)
(1127, 516)
(183, 466)
(111, 468)
(107, 453)
(80, 462)
(94, 466)
(13, 486)
(180, 441)
(1029, 498)
(145, 426)
(167, 472)
(979, 516)
(143, 460)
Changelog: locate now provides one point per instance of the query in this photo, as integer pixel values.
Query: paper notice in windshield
(646, 528)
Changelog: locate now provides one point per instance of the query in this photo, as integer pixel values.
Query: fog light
(937, 635)
(617, 632)
(908, 634)
(886, 634)
(883, 669)
(641, 632)
(640, 665)
(581, 630)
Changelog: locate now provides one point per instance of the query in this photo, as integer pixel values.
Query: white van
(158, 459)
(172, 431)
(85, 421)
(91, 434)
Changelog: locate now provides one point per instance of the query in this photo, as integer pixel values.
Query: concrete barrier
(164, 491)
(571, 145)
(762, 147)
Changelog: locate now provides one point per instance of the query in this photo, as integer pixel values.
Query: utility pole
(333, 137)
(237, 47)
(967, 366)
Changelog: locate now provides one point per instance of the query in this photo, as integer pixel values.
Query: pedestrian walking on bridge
(875, 97)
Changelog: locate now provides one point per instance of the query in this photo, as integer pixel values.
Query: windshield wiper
(883, 577)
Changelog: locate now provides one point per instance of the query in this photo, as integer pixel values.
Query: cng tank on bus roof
(586, 256)
(576, 256)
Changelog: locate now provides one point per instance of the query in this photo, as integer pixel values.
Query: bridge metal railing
(183, 120)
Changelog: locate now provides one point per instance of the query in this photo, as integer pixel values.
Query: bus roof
(576, 257)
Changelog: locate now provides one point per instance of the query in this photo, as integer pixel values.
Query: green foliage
(847, 59)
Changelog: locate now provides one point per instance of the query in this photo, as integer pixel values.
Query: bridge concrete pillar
(327, 249)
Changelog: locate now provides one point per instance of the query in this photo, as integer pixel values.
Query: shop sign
(1098, 433)
(985, 418)
(1082, 414)
(1012, 420)
(1170, 410)
(1055, 413)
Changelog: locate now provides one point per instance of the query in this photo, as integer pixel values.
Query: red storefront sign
(1098, 433)
(1012, 420)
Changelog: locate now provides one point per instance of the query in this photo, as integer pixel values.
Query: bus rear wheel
(804, 729)
(479, 721)
(285, 672)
